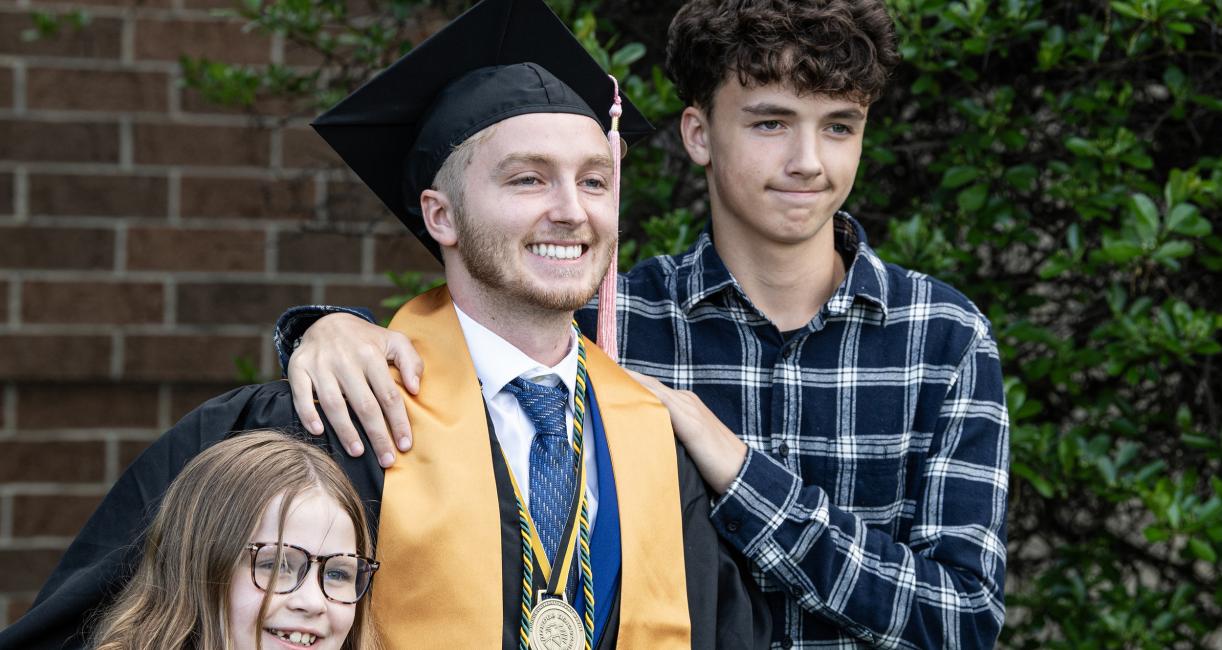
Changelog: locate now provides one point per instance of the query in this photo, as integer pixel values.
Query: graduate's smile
(557, 251)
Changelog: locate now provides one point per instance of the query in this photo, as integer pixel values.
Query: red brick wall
(147, 240)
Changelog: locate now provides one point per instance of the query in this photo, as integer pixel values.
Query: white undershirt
(497, 362)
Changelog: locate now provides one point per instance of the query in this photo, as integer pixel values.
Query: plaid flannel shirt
(872, 503)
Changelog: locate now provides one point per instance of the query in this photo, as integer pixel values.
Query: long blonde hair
(178, 597)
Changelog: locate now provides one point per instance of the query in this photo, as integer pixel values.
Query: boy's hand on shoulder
(717, 452)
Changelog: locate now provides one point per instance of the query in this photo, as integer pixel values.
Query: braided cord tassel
(528, 563)
(607, 335)
(583, 542)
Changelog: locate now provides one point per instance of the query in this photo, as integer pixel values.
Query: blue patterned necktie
(553, 477)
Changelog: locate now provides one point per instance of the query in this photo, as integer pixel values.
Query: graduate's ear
(439, 217)
(694, 127)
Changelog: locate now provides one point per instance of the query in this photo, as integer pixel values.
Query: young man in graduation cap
(542, 505)
(855, 427)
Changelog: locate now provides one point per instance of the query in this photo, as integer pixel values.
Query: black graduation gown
(726, 608)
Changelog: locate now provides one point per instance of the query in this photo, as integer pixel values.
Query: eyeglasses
(282, 568)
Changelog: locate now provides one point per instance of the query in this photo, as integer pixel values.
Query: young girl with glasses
(259, 544)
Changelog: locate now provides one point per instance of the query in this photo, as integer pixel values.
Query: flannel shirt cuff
(753, 507)
(294, 322)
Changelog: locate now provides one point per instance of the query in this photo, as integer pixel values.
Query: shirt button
(787, 642)
(733, 526)
(783, 450)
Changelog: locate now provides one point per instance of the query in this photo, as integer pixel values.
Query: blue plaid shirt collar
(702, 274)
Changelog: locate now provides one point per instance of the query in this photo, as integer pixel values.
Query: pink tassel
(607, 335)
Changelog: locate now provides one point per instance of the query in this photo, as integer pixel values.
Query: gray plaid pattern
(873, 501)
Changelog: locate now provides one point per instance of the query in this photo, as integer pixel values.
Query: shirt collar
(701, 273)
(497, 362)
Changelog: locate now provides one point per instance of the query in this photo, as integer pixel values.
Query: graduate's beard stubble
(487, 255)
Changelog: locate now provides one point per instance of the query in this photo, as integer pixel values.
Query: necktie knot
(544, 405)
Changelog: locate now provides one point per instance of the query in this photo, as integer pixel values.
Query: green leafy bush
(1061, 163)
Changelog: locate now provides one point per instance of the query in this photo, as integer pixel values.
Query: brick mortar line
(154, 118)
(120, 248)
(317, 291)
(121, 65)
(118, 351)
(20, 81)
(62, 330)
(53, 489)
(9, 425)
(169, 290)
(80, 435)
(39, 543)
(110, 462)
(136, 13)
(194, 224)
(173, 105)
(271, 251)
(174, 196)
(21, 194)
(203, 277)
(240, 224)
(165, 397)
(93, 64)
(127, 37)
(127, 143)
(14, 301)
(275, 145)
(6, 518)
(145, 169)
(368, 263)
(269, 363)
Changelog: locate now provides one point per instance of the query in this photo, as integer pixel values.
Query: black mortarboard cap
(396, 130)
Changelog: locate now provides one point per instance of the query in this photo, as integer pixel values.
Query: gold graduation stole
(439, 534)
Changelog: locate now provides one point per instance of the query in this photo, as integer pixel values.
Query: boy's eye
(841, 129)
(769, 125)
(594, 183)
(526, 180)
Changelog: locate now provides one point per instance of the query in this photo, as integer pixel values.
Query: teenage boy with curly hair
(848, 413)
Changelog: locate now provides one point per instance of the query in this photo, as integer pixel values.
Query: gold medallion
(555, 625)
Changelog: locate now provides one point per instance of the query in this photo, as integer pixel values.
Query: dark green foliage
(1058, 162)
(1061, 164)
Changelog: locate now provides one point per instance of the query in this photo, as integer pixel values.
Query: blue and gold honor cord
(531, 546)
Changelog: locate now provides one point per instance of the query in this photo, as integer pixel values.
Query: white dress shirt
(497, 362)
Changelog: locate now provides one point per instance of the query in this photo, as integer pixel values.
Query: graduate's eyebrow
(521, 160)
(602, 162)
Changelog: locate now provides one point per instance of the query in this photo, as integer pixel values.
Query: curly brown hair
(842, 48)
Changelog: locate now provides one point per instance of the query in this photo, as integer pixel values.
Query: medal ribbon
(576, 531)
